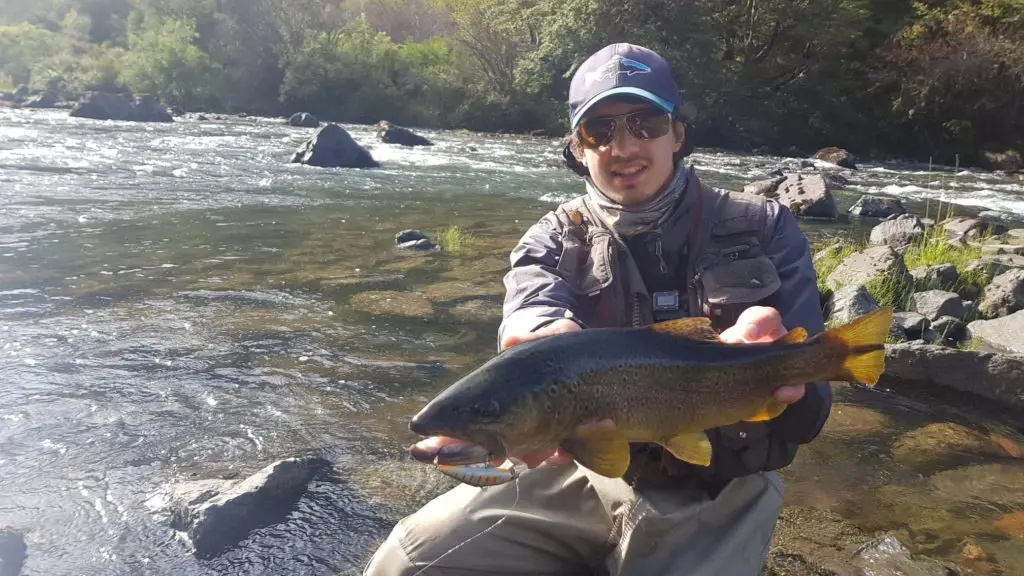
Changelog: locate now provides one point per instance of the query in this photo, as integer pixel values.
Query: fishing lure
(483, 475)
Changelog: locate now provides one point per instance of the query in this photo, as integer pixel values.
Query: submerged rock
(1001, 484)
(333, 147)
(12, 551)
(217, 514)
(887, 556)
(393, 303)
(943, 446)
(415, 240)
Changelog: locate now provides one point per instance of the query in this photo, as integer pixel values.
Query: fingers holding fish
(756, 324)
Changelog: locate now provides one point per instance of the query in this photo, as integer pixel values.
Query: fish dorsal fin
(795, 336)
(697, 329)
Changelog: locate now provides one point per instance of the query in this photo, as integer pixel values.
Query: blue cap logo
(617, 65)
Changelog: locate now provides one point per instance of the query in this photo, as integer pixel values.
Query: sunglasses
(641, 124)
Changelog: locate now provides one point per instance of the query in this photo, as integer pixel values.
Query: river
(178, 302)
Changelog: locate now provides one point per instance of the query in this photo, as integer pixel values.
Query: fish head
(493, 407)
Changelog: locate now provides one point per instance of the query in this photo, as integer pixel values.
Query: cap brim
(656, 100)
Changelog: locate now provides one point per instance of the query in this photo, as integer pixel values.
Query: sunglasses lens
(648, 124)
(597, 131)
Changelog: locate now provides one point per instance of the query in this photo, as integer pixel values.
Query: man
(647, 242)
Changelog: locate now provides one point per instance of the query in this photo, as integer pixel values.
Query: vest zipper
(661, 260)
(636, 311)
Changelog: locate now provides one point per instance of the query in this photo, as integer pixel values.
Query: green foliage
(914, 78)
(454, 240)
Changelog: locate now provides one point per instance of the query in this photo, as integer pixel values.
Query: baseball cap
(619, 69)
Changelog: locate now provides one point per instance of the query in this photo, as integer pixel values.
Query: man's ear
(679, 131)
(577, 151)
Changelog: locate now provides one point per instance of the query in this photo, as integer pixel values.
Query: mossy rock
(461, 290)
(477, 310)
(852, 421)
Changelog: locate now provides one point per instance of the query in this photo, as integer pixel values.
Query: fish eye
(488, 409)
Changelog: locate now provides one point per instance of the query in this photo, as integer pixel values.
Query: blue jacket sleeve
(799, 303)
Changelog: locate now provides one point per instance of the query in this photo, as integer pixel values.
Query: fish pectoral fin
(692, 447)
(603, 452)
(697, 329)
(771, 409)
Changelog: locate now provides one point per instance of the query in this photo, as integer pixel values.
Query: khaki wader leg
(568, 521)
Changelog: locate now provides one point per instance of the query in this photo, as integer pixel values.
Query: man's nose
(624, 143)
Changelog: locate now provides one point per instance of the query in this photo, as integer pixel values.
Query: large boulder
(873, 263)
(899, 232)
(1003, 334)
(805, 195)
(938, 277)
(105, 106)
(967, 228)
(998, 158)
(1004, 295)
(333, 147)
(217, 514)
(391, 134)
(991, 375)
(933, 304)
(992, 266)
(850, 302)
(949, 329)
(43, 100)
(415, 240)
(303, 120)
(12, 551)
(877, 207)
(836, 156)
(911, 324)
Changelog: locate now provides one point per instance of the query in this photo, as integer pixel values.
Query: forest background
(891, 78)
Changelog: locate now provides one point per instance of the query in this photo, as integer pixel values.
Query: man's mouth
(629, 170)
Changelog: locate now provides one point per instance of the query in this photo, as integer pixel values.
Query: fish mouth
(461, 452)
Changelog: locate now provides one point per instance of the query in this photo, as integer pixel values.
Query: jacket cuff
(802, 421)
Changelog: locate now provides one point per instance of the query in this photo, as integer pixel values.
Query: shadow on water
(143, 344)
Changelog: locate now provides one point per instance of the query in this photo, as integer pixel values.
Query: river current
(177, 301)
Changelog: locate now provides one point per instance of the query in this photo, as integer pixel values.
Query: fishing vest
(721, 269)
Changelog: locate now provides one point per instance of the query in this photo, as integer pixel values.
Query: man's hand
(763, 324)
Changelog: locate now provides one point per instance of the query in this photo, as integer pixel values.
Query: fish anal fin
(697, 328)
(795, 336)
(603, 452)
(771, 409)
(692, 447)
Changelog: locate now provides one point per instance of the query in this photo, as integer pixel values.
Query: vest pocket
(735, 285)
(587, 267)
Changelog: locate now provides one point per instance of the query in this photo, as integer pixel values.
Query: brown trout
(664, 384)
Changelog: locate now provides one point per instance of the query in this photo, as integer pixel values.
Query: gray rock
(864, 266)
(935, 303)
(415, 240)
(949, 329)
(997, 249)
(1004, 295)
(998, 158)
(217, 514)
(850, 302)
(887, 556)
(808, 196)
(303, 120)
(391, 134)
(912, 324)
(12, 551)
(877, 207)
(992, 266)
(333, 147)
(21, 92)
(992, 375)
(44, 100)
(900, 231)
(836, 156)
(967, 228)
(938, 277)
(1001, 334)
(104, 106)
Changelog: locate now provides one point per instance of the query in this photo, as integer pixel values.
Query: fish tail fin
(861, 345)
